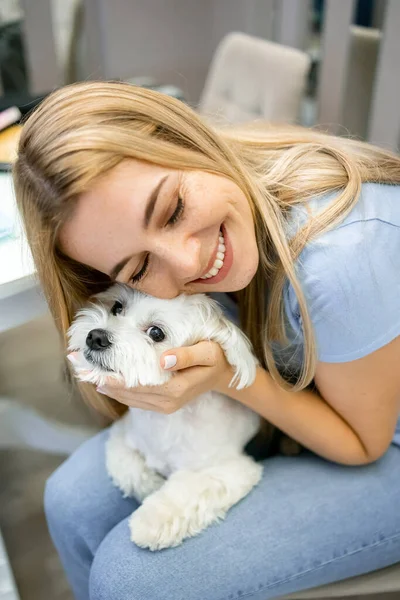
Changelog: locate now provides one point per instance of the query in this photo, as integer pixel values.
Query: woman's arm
(352, 419)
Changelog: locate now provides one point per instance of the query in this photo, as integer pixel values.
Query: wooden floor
(31, 371)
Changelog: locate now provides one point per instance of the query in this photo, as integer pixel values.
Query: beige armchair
(251, 78)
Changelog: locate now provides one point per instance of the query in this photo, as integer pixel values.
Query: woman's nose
(184, 261)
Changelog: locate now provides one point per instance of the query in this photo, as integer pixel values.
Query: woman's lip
(228, 259)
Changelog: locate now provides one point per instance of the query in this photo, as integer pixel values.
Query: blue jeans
(308, 523)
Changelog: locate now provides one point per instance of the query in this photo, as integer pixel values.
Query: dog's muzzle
(98, 339)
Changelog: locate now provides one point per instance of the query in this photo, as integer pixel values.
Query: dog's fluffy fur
(187, 468)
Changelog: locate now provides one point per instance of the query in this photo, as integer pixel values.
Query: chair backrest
(361, 70)
(251, 78)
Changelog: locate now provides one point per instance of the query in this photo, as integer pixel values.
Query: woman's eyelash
(174, 218)
(142, 271)
(177, 212)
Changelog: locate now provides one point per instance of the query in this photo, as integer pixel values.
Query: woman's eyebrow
(148, 213)
(151, 202)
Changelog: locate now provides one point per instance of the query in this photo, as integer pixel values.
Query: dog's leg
(127, 467)
(190, 501)
(238, 352)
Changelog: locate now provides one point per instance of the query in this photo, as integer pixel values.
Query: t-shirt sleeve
(351, 280)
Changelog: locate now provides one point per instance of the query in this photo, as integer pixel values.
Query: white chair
(251, 78)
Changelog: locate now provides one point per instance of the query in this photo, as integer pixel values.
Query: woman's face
(163, 231)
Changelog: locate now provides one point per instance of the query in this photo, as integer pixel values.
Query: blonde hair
(83, 130)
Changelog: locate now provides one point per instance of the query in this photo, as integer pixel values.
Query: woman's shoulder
(350, 276)
(370, 231)
(366, 237)
(376, 201)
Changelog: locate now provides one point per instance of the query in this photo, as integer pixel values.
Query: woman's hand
(198, 369)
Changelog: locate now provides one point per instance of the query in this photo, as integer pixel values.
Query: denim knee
(72, 490)
(130, 573)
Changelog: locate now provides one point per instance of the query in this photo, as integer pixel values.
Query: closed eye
(142, 271)
(174, 218)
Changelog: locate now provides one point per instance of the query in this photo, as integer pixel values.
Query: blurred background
(333, 64)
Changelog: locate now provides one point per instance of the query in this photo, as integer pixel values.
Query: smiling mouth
(220, 262)
(219, 258)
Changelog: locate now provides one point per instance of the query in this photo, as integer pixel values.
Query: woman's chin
(236, 282)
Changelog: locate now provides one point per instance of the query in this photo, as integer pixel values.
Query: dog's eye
(155, 333)
(117, 308)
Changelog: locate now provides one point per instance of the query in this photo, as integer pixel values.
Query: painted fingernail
(101, 390)
(169, 361)
(72, 359)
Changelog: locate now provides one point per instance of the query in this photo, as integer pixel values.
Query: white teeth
(219, 260)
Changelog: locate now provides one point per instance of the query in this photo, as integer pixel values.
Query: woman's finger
(124, 396)
(114, 385)
(153, 403)
(76, 364)
(73, 358)
(202, 354)
(129, 396)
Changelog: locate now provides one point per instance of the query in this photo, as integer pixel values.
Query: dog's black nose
(98, 339)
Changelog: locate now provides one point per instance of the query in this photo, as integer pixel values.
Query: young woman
(120, 183)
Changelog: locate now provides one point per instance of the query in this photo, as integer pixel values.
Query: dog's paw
(157, 529)
(245, 373)
(239, 354)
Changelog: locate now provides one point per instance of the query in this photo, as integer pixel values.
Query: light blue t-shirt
(351, 279)
(350, 276)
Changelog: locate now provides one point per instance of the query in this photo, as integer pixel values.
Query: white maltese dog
(187, 468)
